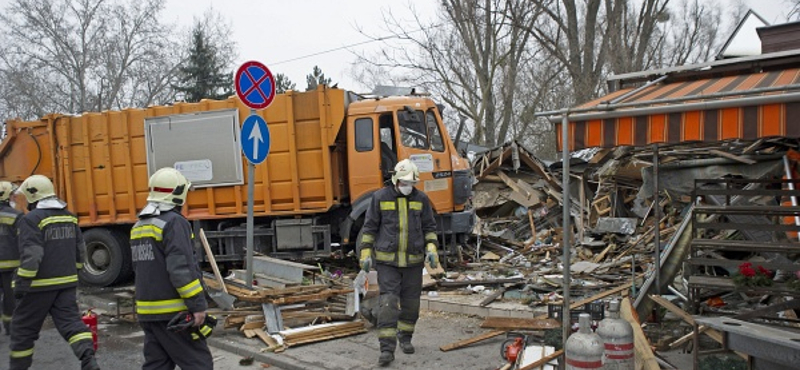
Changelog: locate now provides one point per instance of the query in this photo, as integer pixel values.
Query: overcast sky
(284, 33)
(276, 31)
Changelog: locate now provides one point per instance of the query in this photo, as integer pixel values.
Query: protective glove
(432, 255)
(180, 322)
(366, 259)
(205, 330)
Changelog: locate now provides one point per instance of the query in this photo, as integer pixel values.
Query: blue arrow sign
(255, 139)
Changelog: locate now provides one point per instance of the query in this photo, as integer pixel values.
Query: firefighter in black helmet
(400, 234)
(9, 250)
(51, 253)
(168, 279)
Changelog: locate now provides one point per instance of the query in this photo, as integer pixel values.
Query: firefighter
(399, 232)
(52, 251)
(9, 250)
(168, 278)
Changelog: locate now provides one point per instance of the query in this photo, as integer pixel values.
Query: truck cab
(382, 131)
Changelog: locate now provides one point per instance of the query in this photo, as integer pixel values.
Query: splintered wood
(301, 314)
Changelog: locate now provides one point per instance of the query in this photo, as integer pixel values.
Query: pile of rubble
(289, 304)
(720, 205)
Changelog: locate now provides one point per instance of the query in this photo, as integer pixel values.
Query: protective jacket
(397, 227)
(168, 279)
(9, 249)
(51, 248)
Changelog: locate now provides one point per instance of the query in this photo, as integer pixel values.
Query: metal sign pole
(657, 214)
(251, 174)
(255, 87)
(566, 227)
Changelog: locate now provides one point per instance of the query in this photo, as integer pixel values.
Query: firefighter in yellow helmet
(399, 234)
(52, 251)
(9, 250)
(168, 278)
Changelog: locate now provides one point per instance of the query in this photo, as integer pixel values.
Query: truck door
(364, 156)
(421, 140)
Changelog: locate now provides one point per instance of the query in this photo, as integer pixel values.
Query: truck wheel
(108, 258)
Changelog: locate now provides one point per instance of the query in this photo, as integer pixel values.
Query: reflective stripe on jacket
(9, 249)
(398, 227)
(51, 250)
(168, 279)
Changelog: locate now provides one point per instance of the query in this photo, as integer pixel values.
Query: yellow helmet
(405, 170)
(36, 188)
(168, 186)
(6, 188)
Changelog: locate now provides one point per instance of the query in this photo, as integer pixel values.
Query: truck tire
(108, 258)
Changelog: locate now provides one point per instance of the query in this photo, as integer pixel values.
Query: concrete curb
(243, 350)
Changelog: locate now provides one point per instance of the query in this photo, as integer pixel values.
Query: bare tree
(79, 55)
(470, 58)
(692, 34)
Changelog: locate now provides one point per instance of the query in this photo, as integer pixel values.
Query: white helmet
(405, 170)
(6, 188)
(36, 188)
(168, 186)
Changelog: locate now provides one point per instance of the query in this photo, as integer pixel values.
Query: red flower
(745, 264)
(747, 271)
(764, 271)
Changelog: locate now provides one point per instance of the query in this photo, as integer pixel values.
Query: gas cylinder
(617, 337)
(584, 349)
(90, 319)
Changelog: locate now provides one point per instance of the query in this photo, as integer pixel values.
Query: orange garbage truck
(330, 150)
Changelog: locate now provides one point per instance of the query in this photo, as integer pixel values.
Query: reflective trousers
(164, 349)
(9, 302)
(398, 304)
(29, 316)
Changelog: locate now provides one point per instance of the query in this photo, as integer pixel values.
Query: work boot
(386, 358)
(88, 362)
(407, 347)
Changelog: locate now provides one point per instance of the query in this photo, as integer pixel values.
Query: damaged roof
(748, 98)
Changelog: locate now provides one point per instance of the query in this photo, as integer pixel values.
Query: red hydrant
(90, 319)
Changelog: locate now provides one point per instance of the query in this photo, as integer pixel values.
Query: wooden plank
(672, 308)
(252, 325)
(511, 184)
(466, 342)
(309, 297)
(492, 334)
(641, 346)
(680, 341)
(212, 261)
(510, 323)
(340, 334)
(732, 156)
(544, 360)
(249, 333)
(271, 343)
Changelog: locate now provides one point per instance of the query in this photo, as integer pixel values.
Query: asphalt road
(120, 349)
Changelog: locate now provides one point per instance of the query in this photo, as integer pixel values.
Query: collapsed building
(699, 160)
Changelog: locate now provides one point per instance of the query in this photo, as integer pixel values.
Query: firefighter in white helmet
(9, 250)
(399, 234)
(168, 278)
(52, 251)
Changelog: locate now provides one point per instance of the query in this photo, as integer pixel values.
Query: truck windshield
(413, 133)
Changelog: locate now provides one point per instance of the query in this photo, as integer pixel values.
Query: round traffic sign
(255, 139)
(255, 85)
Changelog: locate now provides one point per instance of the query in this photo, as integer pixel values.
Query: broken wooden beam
(511, 323)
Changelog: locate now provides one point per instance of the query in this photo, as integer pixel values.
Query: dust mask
(405, 189)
